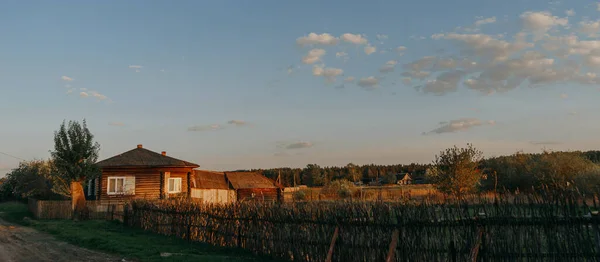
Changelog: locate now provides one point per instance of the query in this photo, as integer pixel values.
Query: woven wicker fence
(526, 228)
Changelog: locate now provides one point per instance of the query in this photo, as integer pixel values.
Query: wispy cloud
(545, 142)
(66, 78)
(313, 56)
(368, 83)
(205, 128)
(461, 124)
(328, 73)
(135, 66)
(294, 145)
(238, 123)
(317, 39)
(354, 39)
(84, 94)
(369, 49)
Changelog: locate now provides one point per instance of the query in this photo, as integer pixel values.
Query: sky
(261, 84)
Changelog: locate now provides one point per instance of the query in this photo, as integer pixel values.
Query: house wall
(260, 194)
(147, 182)
(220, 196)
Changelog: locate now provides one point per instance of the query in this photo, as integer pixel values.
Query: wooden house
(141, 174)
(250, 186)
(227, 187)
(211, 187)
(405, 179)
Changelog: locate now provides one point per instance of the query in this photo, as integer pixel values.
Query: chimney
(139, 146)
(164, 153)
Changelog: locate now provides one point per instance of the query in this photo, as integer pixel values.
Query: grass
(115, 238)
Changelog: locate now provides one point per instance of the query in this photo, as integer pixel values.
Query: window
(116, 185)
(175, 185)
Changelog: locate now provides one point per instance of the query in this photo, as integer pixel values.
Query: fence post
(332, 245)
(189, 227)
(452, 251)
(393, 244)
(476, 247)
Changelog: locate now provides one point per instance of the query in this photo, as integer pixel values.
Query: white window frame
(169, 185)
(115, 178)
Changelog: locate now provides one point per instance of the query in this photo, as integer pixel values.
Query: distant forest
(315, 175)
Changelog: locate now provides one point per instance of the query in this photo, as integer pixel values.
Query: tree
(456, 170)
(32, 179)
(312, 175)
(75, 155)
(353, 172)
(390, 178)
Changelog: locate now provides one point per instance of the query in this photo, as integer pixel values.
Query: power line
(12, 156)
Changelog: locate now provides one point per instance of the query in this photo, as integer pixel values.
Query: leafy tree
(390, 178)
(559, 170)
(353, 172)
(456, 170)
(75, 155)
(312, 175)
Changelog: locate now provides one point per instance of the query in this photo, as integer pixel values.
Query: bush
(299, 195)
(342, 188)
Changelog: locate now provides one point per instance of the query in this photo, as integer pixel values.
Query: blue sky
(249, 84)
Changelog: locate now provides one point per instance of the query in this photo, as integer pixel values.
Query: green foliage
(75, 153)
(312, 175)
(299, 195)
(457, 170)
(343, 188)
(32, 179)
(390, 178)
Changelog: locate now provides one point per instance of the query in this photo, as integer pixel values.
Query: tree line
(519, 171)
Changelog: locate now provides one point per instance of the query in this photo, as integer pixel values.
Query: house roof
(406, 177)
(210, 180)
(141, 157)
(241, 180)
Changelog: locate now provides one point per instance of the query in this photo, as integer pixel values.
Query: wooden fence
(61, 209)
(526, 228)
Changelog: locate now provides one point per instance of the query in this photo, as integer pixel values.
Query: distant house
(251, 186)
(227, 187)
(405, 179)
(212, 187)
(141, 174)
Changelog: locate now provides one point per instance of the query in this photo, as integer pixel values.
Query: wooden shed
(141, 173)
(211, 187)
(250, 186)
(405, 179)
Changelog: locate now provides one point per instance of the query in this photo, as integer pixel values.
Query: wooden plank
(332, 245)
(393, 244)
(475, 249)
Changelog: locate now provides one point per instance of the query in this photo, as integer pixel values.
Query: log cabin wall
(147, 182)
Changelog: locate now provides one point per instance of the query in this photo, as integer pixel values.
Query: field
(370, 193)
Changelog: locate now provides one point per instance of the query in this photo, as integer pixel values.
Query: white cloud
(205, 128)
(317, 39)
(98, 96)
(368, 83)
(369, 49)
(417, 74)
(541, 21)
(483, 21)
(598, 6)
(461, 124)
(355, 39)
(83, 94)
(400, 49)
(341, 54)
(162, 70)
(407, 80)
(445, 83)
(66, 78)
(328, 73)
(349, 79)
(70, 90)
(237, 122)
(313, 56)
(382, 37)
(135, 66)
(137, 71)
(83, 89)
(570, 12)
(564, 96)
(388, 67)
(116, 124)
(298, 145)
(485, 46)
(590, 28)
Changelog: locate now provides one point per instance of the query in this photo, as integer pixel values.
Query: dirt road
(23, 244)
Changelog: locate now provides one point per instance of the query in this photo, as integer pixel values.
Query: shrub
(342, 188)
(299, 195)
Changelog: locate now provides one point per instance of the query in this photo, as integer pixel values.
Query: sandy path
(23, 244)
